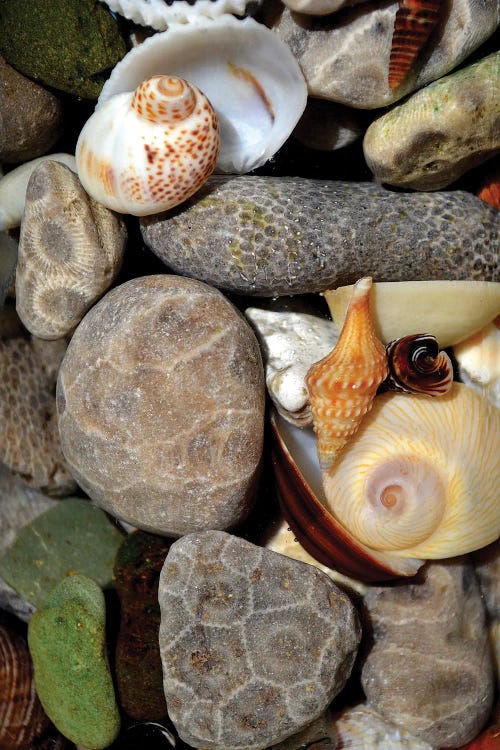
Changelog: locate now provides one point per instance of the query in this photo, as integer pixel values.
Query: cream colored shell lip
(159, 14)
(249, 75)
(449, 310)
(478, 360)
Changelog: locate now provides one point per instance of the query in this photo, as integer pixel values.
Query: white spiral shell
(146, 151)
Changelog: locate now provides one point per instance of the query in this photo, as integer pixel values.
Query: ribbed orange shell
(415, 20)
(490, 190)
(343, 384)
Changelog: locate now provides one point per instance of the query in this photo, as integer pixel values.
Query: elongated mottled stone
(440, 132)
(288, 235)
(67, 643)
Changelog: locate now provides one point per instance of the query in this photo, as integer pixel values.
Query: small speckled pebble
(67, 643)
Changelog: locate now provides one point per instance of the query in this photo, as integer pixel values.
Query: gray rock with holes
(254, 645)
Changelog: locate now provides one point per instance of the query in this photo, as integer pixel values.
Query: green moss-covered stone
(66, 639)
(73, 536)
(68, 45)
(137, 661)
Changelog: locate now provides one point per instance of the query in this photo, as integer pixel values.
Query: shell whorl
(416, 365)
(343, 384)
(422, 478)
(414, 22)
(164, 99)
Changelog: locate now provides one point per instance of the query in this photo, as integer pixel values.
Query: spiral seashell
(146, 151)
(343, 384)
(417, 366)
(422, 478)
(414, 22)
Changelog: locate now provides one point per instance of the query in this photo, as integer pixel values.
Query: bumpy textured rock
(137, 659)
(345, 57)
(70, 251)
(19, 504)
(286, 235)
(487, 562)
(440, 132)
(69, 46)
(29, 439)
(30, 117)
(161, 406)
(73, 536)
(429, 670)
(67, 643)
(254, 645)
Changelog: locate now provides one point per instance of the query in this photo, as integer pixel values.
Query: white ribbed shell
(159, 14)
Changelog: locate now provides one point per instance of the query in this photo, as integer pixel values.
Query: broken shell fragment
(146, 151)
(417, 366)
(450, 310)
(250, 76)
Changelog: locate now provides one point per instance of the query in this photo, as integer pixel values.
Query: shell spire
(343, 384)
(415, 20)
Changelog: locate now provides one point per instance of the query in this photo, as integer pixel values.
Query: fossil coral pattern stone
(362, 728)
(73, 536)
(31, 119)
(68, 46)
(429, 670)
(29, 439)
(70, 251)
(161, 406)
(22, 719)
(254, 645)
(19, 504)
(345, 57)
(291, 235)
(137, 659)
(66, 639)
(440, 132)
(487, 562)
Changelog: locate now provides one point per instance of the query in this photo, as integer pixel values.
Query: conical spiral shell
(343, 384)
(422, 478)
(146, 151)
(414, 22)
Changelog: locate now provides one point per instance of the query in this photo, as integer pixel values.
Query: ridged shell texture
(146, 151)
(414, 22)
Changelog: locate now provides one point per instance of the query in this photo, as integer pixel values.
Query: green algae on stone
(137, 660)
(73, 536)
(70, 46)
(67, 643)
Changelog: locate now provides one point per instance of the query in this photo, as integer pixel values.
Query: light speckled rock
(29, 438)
(161, 406)
(70, 251)
(30, 117)
(286, 235)
(345, 57)
(439, 133)
(254, 645)
(362, 728)
(19, 505)
(487, 562)
(429, 670)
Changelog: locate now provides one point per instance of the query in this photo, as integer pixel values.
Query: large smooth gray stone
(288, 235)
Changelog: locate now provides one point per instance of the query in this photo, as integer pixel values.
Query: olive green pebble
(73, 536)
(66, 639)
(70, 46)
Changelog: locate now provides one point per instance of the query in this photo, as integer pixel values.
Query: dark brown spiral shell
(415, 20)
(417, 366)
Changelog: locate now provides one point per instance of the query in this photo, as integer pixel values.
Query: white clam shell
(148, 150)
(159, 14)
(478, 359)
(13, 188)
(250, 76)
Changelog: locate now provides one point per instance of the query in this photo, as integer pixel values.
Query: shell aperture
(343, 384)
(146, 151)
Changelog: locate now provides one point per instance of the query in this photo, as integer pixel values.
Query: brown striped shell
(417, 366)
(415, 20)
(22, 718)
(343, 384)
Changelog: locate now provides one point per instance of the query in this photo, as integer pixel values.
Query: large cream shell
(422, 477)
(449, 310)
(250, 76)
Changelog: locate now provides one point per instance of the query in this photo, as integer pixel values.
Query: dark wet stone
(137, 661)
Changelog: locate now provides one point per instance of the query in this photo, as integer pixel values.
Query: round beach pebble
(254, 645)
(161, 406)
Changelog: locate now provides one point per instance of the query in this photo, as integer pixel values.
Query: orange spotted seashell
(415, 20)
(146, 151)
(343, 384)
